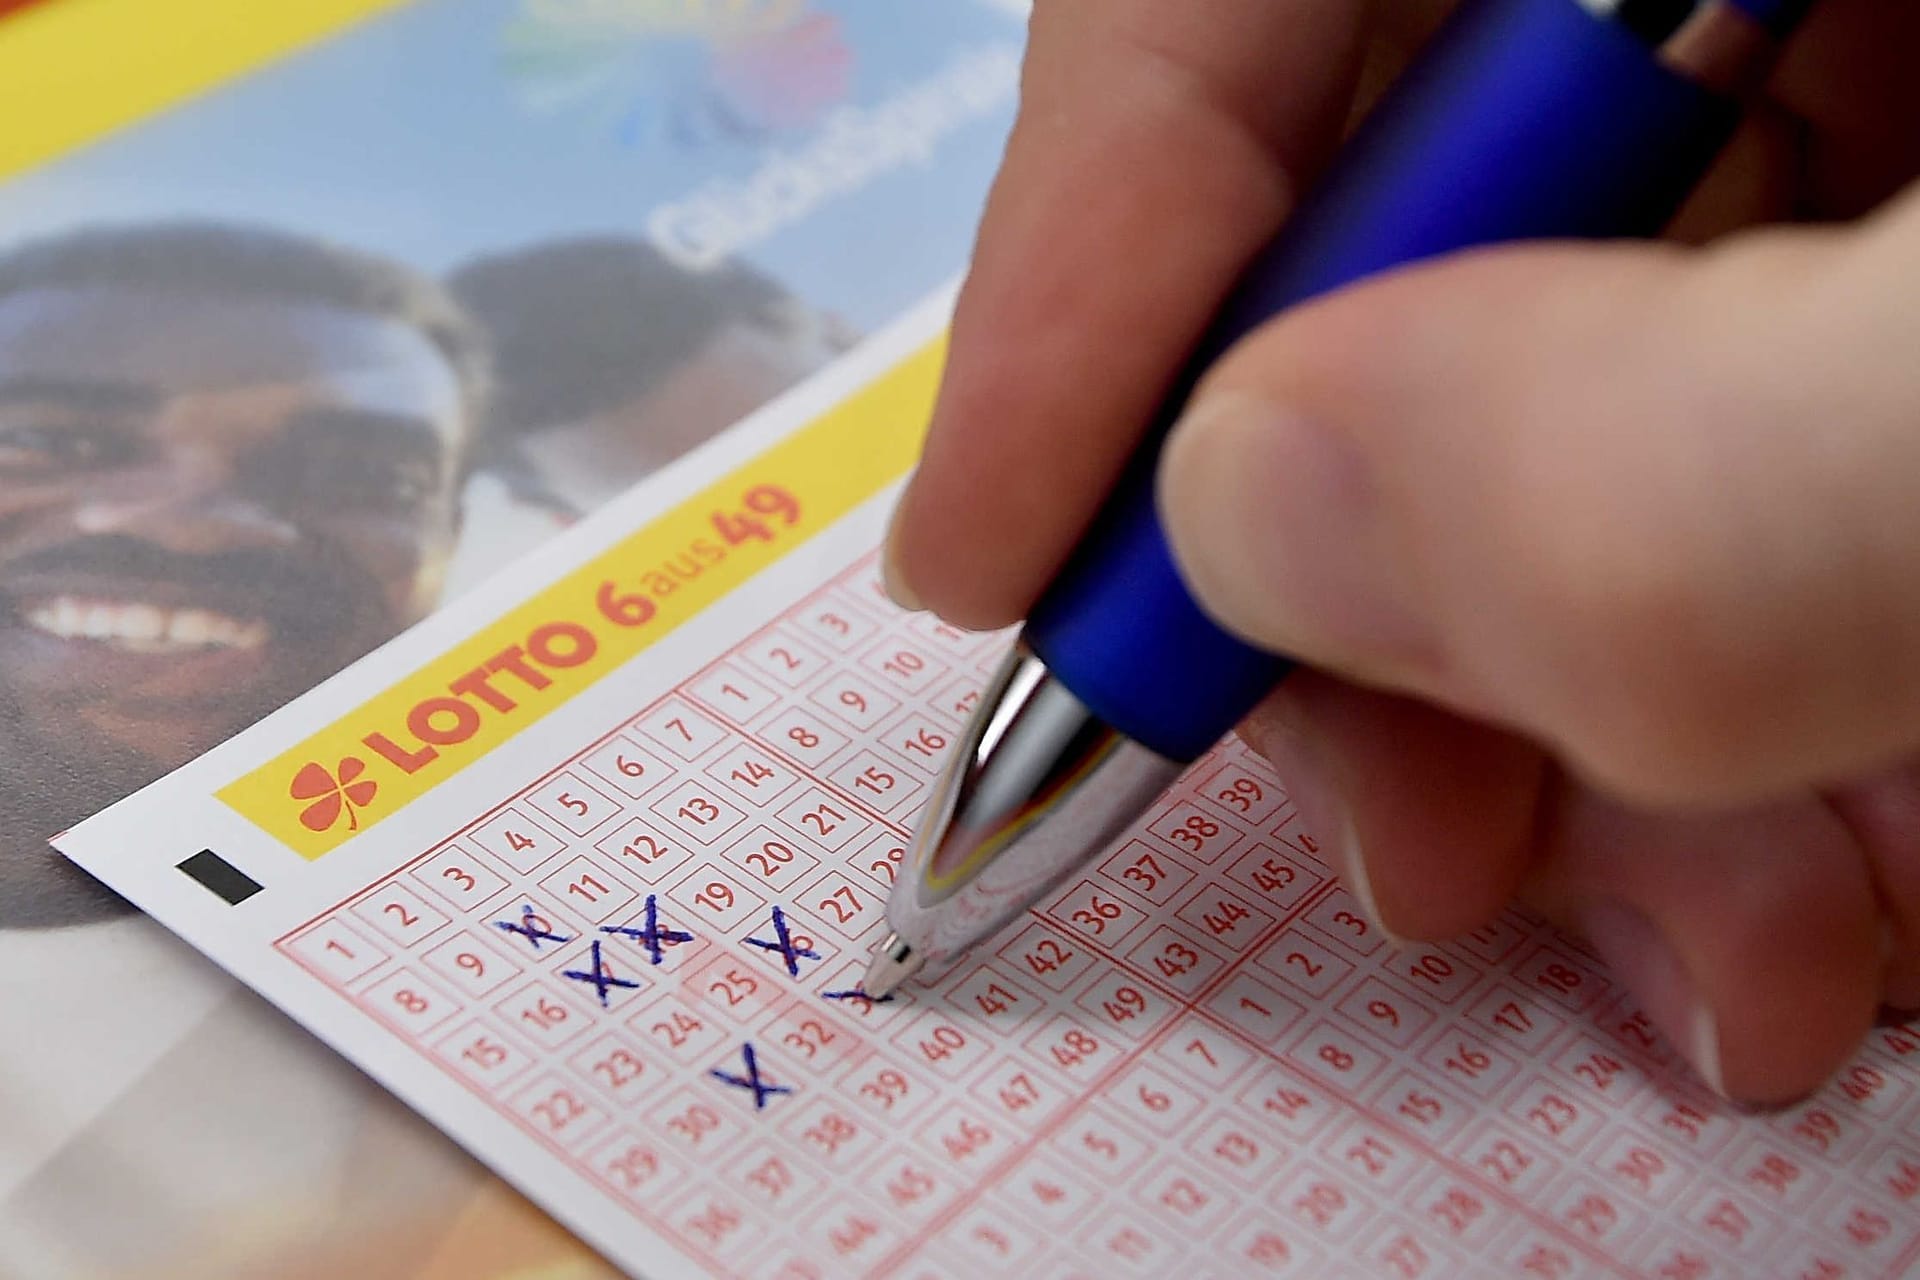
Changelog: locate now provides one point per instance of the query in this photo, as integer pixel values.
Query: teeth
(143, 627)
(142, 622)
(190, 626)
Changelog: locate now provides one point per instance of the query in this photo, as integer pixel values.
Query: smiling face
(207, 504)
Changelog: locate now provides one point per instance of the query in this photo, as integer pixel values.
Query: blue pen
(1523, 119)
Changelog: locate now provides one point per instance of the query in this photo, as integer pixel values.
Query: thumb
(1657, 508)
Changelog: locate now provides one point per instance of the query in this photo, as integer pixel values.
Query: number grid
(1198, 1053)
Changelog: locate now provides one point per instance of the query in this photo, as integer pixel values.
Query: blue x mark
(653, 937)
(531, 927)
(600, 976)
(788, 952)
(751, 1080)
(858, 996)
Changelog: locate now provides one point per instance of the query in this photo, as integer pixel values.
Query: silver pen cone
(1036, 787)
(892, 965)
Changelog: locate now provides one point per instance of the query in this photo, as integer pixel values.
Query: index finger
(1157, 146)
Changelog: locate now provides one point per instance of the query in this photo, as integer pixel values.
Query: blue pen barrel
(1524, 119)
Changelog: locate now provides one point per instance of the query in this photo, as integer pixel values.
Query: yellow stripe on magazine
(73, 71)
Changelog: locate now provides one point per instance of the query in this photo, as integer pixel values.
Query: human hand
(1606, 558)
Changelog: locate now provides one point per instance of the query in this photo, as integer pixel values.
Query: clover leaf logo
(332, 793)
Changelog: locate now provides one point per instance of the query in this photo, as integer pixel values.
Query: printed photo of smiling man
(232, 460)
(230, 463)
(298, 361)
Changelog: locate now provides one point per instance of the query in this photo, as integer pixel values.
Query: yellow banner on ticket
(426, 728)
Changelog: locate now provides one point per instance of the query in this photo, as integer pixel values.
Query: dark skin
(207, 505)
(737, 370)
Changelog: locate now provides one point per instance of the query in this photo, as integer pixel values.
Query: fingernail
(1652, 972)
(893, 579)
(1311, 784)
(1277, 525)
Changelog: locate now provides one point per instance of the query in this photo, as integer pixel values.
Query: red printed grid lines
(1195, 1054)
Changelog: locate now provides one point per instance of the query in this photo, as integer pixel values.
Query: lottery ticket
(587, 869)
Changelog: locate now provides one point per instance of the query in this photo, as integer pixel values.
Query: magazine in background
(287, 367)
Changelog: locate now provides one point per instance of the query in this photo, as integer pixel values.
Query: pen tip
(892, 965)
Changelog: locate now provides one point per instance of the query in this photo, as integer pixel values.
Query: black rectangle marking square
(232, 884)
